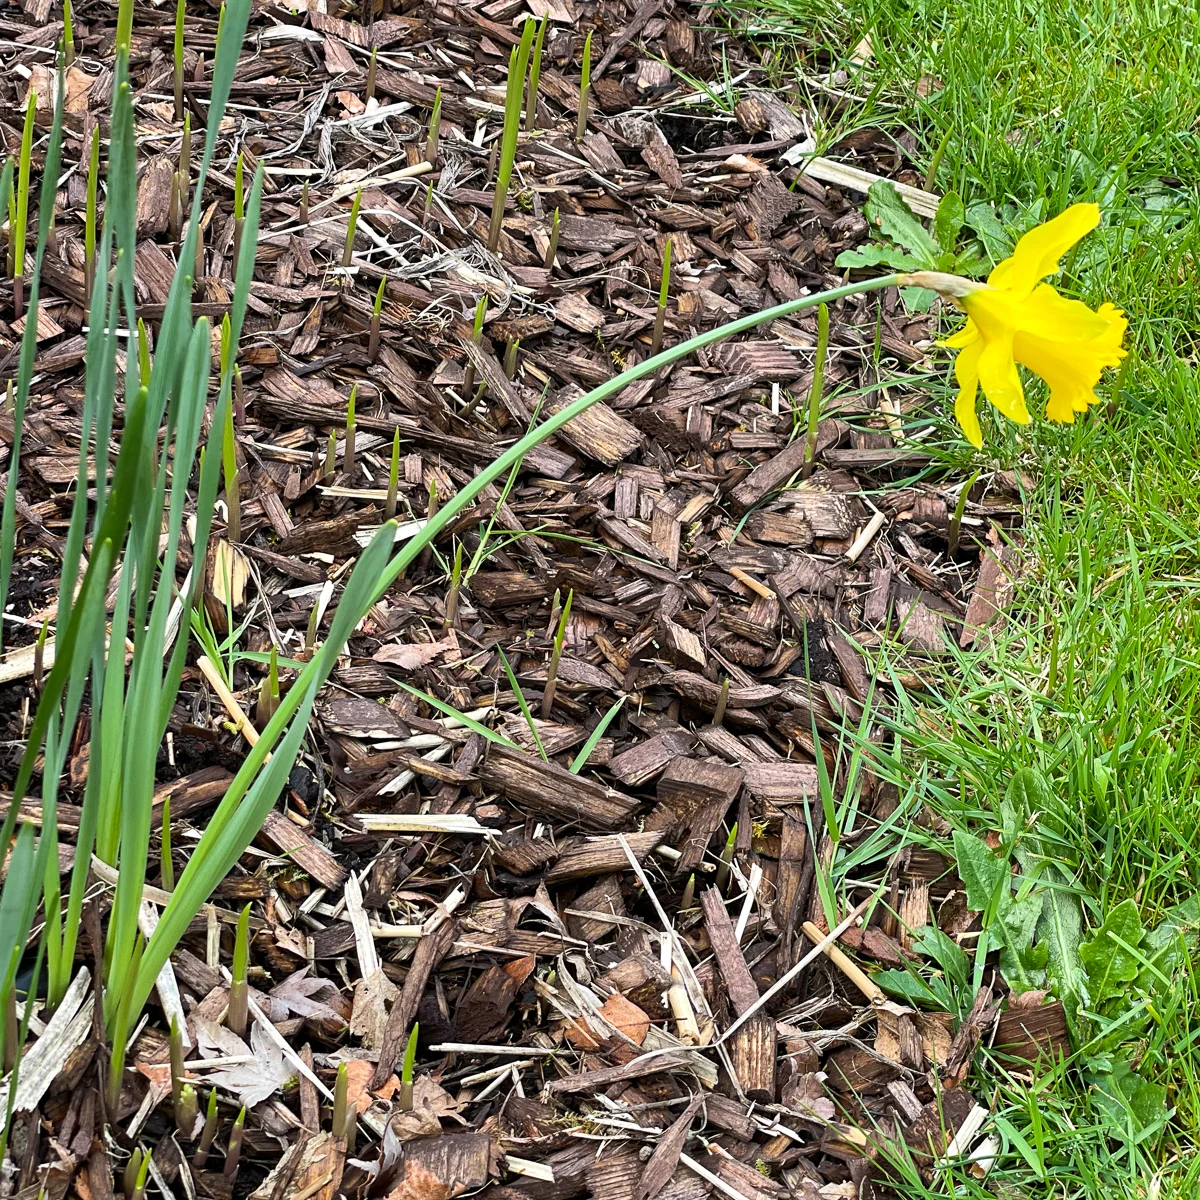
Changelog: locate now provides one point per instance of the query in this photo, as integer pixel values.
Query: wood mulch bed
(605, 1006)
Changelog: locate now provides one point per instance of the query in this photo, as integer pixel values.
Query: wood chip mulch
(588, 973)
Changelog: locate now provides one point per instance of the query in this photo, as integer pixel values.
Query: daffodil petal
(966, 371)
(962, 337)
(999, 379)
(1039, 252)
(1047, 314)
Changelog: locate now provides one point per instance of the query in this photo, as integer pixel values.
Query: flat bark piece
(483, 1010)
(767, 362)
(730, 1115)
(1032, 1032)
(552, 791)
(810, 575)
(576, 312)
(702, 691)
(878, 597)
(921, 628)
(584, 857)
(624, 1015)
(775, 472)
(603, 897)
(828, 514)
(850, 665)
(430, 951)
(858, 1070)
(968, 1036)
(154, 195)
(660, 158)
(306, 852)
(662, 1163)
(603, 1077)
(758, 111)
(462, 1161)
(506, 589)
(639, 764)
(782, 781)
(768, 205)
(600, 433)
(753, 1045)
(794, 857)
(780, 528)
(930, 1134)
(993, 590)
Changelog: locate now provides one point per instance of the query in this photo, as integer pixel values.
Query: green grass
(1096, 682)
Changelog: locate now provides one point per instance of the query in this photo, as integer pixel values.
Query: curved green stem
(517, 451)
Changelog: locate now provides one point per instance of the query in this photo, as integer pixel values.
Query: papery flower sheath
(1016, 318)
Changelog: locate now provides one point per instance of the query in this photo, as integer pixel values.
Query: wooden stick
(855, 974)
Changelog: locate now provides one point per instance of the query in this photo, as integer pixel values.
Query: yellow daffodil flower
(1016, 318)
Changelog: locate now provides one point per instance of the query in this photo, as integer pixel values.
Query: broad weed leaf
(983, 874)
(1109, 965)
(948, 221)
(887, 212)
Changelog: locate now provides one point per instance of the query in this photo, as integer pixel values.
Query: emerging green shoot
(535, 76)
(351, 432)
(239, 989)
(351, 229)
(18, 230)
(664, 292)
(233, 500)
(405, 1096)
(510, 358)
(39, 654)
(726, 858)
(556, 654)
(960, 507)
(552, 248)
(89, 214)
(234, 1153)
(350, 1128)
(518, 64)
(68, 35)
(143, 354)
(585, 83)
(175, 1047)
(815, 392)
(523, 704)
(718, 716)
(302, 214)
(476, 337)
(371, 68)
(208, 1133)
(133, 1169)
(455, 587)
(177, 66)
(389, 505)
(239, 212)
(427, 207)
(594, 737)
(341, 1091)
(376, 312)
(187, 1111)
(166, 865)
(435, 129)
(268, 692)
(689, 893)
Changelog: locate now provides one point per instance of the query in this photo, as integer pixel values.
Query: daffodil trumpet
(1015, 318)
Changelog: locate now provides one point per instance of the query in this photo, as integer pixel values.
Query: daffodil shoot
(1016, 318)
